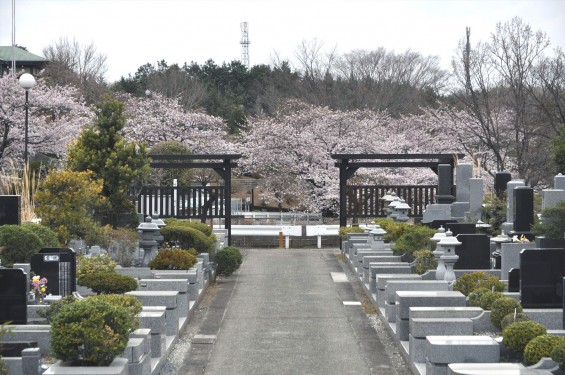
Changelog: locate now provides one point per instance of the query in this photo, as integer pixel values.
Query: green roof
(7, 53)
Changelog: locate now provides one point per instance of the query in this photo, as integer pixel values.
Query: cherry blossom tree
(291, 151)
(55, 117)
(155, 119)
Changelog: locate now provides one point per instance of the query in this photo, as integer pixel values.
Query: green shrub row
(228, 261)
(187, 237)
(174, 259)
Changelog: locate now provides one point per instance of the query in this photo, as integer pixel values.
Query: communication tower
(245, 44)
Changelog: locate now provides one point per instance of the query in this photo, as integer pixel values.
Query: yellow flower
(42, 290)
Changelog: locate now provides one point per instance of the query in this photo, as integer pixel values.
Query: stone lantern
(391, 209)
(440, 270)
(400, 211)
(387, 199)
(376, 238)
(161, 224)
(147, 232)
(447, 245)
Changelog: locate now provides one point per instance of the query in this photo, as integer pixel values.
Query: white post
(286, 241)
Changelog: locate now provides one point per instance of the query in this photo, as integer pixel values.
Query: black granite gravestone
(13, 295)
(445, 184)
(435, 224)
(564, 303)
(524, 205)
(514, 280)
(461, 228)
(58, 265)
(541, 277)
(10, 209)
(474, 252)
(500, 181)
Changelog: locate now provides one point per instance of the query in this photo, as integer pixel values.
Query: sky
(132, 33)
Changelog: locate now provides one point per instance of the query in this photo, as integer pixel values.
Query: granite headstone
(58, 265)
(13, 296)
(541, 278)
(514, 280)
(474, 252)
(10, 210)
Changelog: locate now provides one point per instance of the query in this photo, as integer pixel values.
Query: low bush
(186, 238)
(47, 236)
(415, 237)
(502, 307)
(54, 308)
(343, 231)
(108, 282)
(173, 259)
(553, 225)
(488, 298)
(132, 305)
(227, 261)
(90, 332)
(475, 296)
(517, 335)
(394, 230)
(17, 244)
(513, 318)
(541, 346)
(558, 355)
(424, 261)
(94, 264)
(474, 280)
(202, 227)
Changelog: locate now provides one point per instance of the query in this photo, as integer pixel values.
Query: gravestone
(514, 280)
(58, 265)
(461, 205)
(541, 277)
(436, 224)
(564, 303)
(510, 205)
(445, 182)
(476, 192)
(10, 210)
(13, 296)
(501, 179)
(551, 197)
(461, 228)
(559, 182)
(474, 252)
(524, 206)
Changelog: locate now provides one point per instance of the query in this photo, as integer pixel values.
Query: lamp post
(26, 82)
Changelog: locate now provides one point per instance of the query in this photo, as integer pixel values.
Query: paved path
(286, 312)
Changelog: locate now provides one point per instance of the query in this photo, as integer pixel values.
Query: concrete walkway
(286, 312)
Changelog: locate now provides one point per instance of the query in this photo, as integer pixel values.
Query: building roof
(7, 53)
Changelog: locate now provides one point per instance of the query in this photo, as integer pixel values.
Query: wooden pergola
(348, 164)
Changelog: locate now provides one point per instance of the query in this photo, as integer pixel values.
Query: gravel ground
(182, 348)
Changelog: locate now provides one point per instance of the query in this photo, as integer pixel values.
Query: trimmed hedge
(202, 227)
(541, 346)
(108, 282)
(228, 261)
(47, 236)
(18, 243)
(186, 237)
(502, 307)
(517, 335)
(471, 281)
(90, 332)
(173, 259)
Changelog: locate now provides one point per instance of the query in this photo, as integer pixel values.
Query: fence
(363, 200)
(183, 202)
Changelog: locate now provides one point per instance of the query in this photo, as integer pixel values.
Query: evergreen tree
(102, 149)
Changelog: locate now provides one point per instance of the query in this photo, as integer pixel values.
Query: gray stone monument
(508, 226)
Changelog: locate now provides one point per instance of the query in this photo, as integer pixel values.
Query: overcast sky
(134, 32)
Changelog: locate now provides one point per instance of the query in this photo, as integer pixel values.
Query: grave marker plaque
(10, 209)
(58, 265)
(474, 252)
(13, 296)
(541, 277)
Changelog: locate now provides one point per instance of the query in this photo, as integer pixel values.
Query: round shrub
(173, 259)
(186, 238)
(227, 261)
(394, 230)
(558, 355)
(132, 305)
(541, 346)
(510, 318)
(471, 281)
(18, 243)
(502, 307)
(517, 335)
(475, 296)
(108, 282)
(488, 298)
(424, 261)
(94, 264)
(90, 332)
(202, 227)
(47, 236)
(54, 308)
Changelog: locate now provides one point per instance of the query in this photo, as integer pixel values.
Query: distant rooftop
(7, 53)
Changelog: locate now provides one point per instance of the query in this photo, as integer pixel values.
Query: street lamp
(26, 82)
